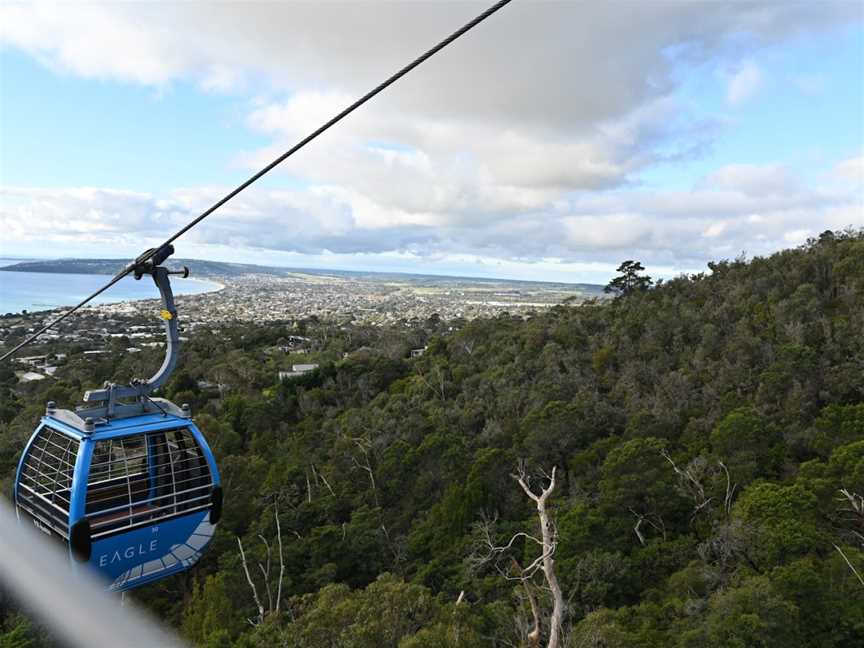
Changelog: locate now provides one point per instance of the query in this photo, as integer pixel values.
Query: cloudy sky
(552, 142)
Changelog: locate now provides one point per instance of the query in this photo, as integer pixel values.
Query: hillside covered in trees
(706, 437)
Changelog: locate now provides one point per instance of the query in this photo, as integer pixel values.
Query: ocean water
(37, 291)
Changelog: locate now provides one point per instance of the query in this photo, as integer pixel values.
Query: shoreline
(218, 284)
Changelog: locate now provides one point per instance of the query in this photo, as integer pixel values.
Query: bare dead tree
(455, 629)
(533, 635)
(492, 553)
(273, 606)
(729, 542)
(364, 445)
(690, 484)
(396, 547)
(851, 566)
(317, 474)
(730, 490)
(281, 558)
(639, 520)
(468, 345)
(853, 512)
(260, 618)
(489, 552)
(439, 375)
(435, 382)
(265, 571)
(549, 543)
(657, 524)
(308, 487)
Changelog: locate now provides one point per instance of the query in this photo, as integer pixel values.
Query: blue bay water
(37, 291)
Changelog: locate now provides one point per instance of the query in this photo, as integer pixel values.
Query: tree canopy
(708, 434)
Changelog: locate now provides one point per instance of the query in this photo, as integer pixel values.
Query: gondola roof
(111, 428)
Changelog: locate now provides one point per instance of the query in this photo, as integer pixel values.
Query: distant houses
(38, 367)
(297, 370)
(295, 344)
(206, 385)
(30, 376)
(33, 361)
(286, 349)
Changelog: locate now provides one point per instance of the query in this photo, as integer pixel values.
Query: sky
(552, 142)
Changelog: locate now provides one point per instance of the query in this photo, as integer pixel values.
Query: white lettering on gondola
(128, 553)
(42, 527)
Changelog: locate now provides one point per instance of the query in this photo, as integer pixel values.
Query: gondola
(127, 484)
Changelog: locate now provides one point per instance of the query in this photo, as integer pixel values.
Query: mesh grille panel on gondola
(144, 478)
(46, 480)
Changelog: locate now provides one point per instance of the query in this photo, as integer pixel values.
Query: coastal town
(342, 299)
(363, 300)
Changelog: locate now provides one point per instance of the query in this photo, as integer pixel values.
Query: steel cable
(321, 129)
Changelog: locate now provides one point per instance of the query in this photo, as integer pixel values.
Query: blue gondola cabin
(137, 498)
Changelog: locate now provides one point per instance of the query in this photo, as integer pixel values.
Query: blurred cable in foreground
(75, 607)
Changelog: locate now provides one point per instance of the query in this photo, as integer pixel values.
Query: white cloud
(222, 78)
(744, 84)
(719, 218)
(754, 180)
(586, 62)
(90, 40)
(715, 229)
(851, 171)
(798, 236)
(505, 146)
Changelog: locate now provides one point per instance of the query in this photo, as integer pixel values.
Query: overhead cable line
(146, 256)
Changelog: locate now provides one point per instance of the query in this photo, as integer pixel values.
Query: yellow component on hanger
(166, 315)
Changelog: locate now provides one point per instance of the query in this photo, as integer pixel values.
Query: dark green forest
(705, 434)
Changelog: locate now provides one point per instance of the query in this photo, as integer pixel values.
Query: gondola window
(46, 480)
(140, 479)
